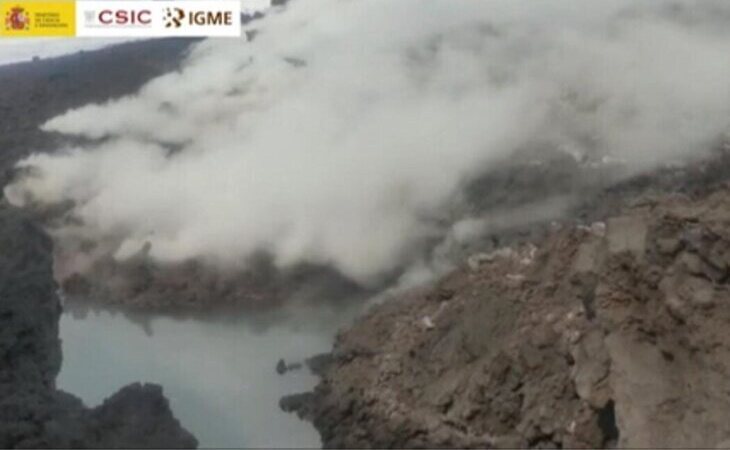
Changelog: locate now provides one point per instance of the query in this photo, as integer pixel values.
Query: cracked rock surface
(607, 335)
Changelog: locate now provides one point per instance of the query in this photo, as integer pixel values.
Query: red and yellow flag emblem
(30, 18)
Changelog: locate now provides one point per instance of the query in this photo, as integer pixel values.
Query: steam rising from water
(339, 133)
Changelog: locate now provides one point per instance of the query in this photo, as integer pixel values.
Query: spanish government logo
(32, 18)
(120, 18)
(17, 19)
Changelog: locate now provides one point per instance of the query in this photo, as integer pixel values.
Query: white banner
(134, 18)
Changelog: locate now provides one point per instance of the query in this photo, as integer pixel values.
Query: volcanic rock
(33, 413)
(615, 339)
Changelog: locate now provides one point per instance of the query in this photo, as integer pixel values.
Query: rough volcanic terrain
(597, 321)
(34, 92)
(610, 333)
(192, 288)
(520, 197)
(33, 413)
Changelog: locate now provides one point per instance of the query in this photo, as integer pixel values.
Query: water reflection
(218, 374)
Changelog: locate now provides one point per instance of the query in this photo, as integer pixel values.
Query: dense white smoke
(337, 135)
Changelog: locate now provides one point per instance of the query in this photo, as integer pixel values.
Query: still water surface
(219, 376)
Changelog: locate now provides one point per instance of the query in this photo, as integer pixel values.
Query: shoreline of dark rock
(33, 413)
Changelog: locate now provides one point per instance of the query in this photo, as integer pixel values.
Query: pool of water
(218, 374)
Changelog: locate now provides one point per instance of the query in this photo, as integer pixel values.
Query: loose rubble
(607, 335)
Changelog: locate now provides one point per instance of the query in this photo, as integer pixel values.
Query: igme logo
(177, 17)
(174, 17)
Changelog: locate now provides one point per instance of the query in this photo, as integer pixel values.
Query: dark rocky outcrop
(33, 413)
(611, 334)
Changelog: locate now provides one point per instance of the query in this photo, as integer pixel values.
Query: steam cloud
(337, 135)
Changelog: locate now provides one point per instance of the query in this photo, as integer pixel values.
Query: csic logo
(118, 18)
(17, 19)
(177, 17)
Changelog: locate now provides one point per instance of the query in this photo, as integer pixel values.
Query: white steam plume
(345, 125)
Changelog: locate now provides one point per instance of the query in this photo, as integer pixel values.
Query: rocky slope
(192, 288)
(37, 91)
(611, 334)
(516, 199)
(33, 413)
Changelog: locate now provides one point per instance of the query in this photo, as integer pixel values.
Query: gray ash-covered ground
(609, 333)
